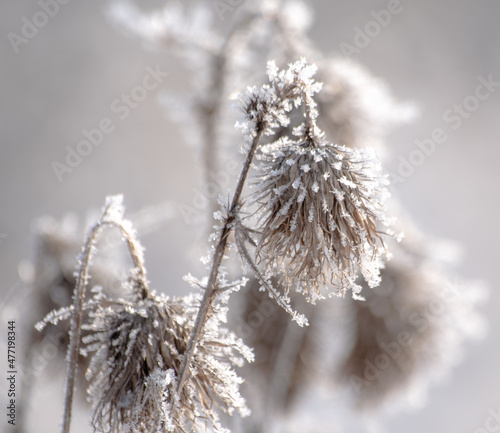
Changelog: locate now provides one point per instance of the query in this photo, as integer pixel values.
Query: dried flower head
(321, 206)
(410, 328)
(137, 353)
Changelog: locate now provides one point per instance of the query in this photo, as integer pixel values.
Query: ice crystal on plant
(320, 206)
(319, 216)
(267, 107)
(137, 350)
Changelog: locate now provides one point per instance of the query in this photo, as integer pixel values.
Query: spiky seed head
(321, 209)
(422, 311)
(137, 353)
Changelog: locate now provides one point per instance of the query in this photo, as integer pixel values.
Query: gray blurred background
(66, 78)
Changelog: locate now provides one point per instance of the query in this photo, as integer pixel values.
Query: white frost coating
(121, 339)
(310, 192)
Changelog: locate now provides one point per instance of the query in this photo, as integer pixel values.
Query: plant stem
(79, 296)
(76, 324)
(211, 108)
(211, 289)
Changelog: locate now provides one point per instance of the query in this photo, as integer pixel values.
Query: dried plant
(410, 329)
(318, 204)
(307, 217)
(320, 207)
(138, 352)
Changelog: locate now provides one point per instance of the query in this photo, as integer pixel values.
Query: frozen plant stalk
(138, 348)
(319, 205)
(163, 365)
(354, 238)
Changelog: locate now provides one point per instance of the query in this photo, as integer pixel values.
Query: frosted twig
(211, 289)
(211, 108)
(111, 216)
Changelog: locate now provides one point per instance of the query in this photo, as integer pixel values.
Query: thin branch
(211, 108)
(211, 289)
(79, 296)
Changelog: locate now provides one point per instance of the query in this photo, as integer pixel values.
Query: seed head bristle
(321, 207)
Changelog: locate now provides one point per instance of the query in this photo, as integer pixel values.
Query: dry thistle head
(138, 350)
(410, 329)
(319, 205)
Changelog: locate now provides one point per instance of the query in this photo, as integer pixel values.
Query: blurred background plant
(388, 346)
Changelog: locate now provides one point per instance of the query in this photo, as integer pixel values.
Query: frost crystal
(320, 206)
(137, 353)
(319, 226)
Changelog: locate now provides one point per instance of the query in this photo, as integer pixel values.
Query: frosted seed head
(319, 216)
(137, 354)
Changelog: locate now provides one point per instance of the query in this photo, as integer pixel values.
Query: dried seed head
(138, 350)
(320, 206)
(410, 328)
(320, 209)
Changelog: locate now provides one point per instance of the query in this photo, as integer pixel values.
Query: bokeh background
(66, 78)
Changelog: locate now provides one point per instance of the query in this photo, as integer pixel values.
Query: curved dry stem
(79, 295)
